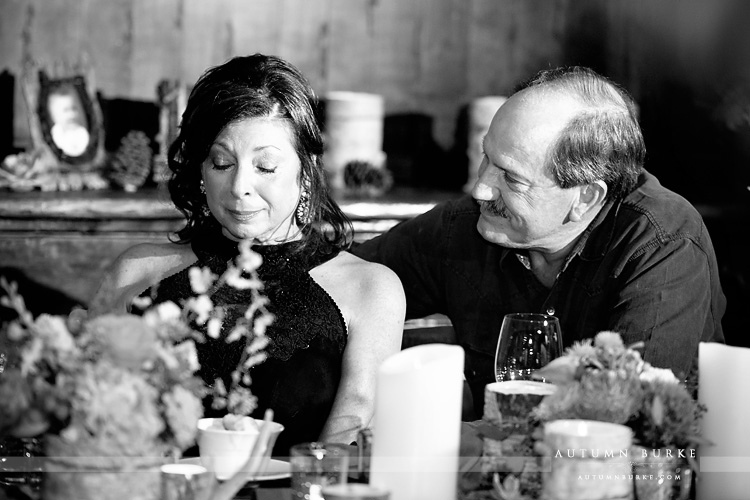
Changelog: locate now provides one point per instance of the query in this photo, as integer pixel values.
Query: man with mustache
(563, 220)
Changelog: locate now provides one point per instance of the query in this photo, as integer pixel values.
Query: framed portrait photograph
(65, 122)
(69, 118)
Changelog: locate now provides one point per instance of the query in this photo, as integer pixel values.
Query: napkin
(417, 425)
(724, 388)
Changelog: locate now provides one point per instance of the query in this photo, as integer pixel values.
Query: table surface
(263, 493)
(274, 494)
(276, 489)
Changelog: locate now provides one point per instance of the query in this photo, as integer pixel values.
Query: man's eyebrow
(484, 151)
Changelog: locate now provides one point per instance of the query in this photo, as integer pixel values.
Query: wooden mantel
(63, 241)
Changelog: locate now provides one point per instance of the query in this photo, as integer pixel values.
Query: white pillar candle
(354, 132)
(511, 402)
(186, 482)
(417, 425)
(583, 449)
(724, 374)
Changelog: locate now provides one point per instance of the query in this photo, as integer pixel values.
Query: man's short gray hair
(604, 140)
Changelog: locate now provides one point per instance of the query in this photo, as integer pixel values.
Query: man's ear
(591, 197)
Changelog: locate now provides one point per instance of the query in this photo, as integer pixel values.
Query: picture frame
(65, 121)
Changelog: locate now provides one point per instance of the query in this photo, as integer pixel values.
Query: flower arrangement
(605, 380)
(82, 380)
(597, 379)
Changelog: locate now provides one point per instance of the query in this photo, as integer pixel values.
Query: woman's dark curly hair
(248, 87)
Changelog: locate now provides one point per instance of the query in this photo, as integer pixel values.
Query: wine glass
(527, 342)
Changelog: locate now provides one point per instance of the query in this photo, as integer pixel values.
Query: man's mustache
(495, 207)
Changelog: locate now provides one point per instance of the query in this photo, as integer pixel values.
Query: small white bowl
(224, 452)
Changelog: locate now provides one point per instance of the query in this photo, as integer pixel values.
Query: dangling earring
(303, 208)
(205, 211)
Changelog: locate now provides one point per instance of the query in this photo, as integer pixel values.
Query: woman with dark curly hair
(247, 166)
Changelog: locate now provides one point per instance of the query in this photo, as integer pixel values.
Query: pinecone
(364, 178)
(131, 164)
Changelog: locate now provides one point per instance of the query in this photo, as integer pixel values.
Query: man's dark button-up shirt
(645, 268)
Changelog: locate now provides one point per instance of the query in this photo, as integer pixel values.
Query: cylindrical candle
(511, 402)
(186, 482)
(583, 449)
(417, 423)
(722, 388)
(354, 132)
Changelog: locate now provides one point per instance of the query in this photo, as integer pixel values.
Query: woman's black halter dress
(301, 375)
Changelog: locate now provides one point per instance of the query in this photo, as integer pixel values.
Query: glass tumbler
(315, 465)
(21, 461)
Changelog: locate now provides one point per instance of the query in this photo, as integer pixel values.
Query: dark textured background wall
(682, 59)
(687, 63)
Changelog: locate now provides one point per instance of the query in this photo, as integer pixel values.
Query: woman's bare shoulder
(359, 282)
(369, 272)
(136, 269)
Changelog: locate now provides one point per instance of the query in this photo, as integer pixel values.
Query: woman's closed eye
(221, 165)
(219, 161)
(266, 167)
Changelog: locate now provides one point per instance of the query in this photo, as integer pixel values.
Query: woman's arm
(133, 271)
(375, 308)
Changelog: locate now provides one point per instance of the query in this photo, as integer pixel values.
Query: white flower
(259, 302)
(255, 359)
(31, 355)
(651, 374)
(201, 279)
(201, 306)
(214, 328)
(238, 332)
(15, 331)
(165, 312)
(258, 343)
(71, 433)
(187, 352)
(183, 410)
(128, 340)
(609, 340)
(248, 260)
(261, 323)
(233, 277)
(168, 357)
(54, 333)
(141, 303)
